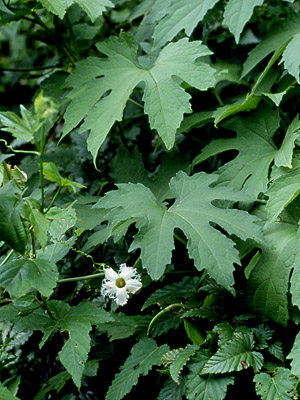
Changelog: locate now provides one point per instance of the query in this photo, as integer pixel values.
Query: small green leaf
(279, 386)
(294, 355)
(193, 333)
(182, 357)
(57, 7)
(143, 356)
(172, 391)
(291, 57)
(62, 220)
(6, 394)
(121, 326)
(19, 276)
(21, 128)
(94, 8)
(285, 154)
(51, 173)
(4, 8)
(12, 227)
(235, 355)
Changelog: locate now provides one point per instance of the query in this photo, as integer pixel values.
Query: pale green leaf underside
(181, 14)
(113, 79)
(276, 387)
(237, 14)
(294, 355)
(193, 213)
(57, 7)
(180, 361)
(143, 356)
(3, 8)
(250, 169)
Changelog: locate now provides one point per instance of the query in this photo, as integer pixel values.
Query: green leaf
(39, 222)
(51, 173)
(285, 154)
(276, 350)
(143, 356)
(4, 8)
(121, 326)
(57, 7)
(250, 169)
(171, 293)
(19, 276)
(276, 37)
(165, 101)
(182, 357)
(181, 14)
(6, 394)
(279, 386)
(94, 8)
(126, 167)
(12, 228)
(294, 356)
(270, 277)
(291, 57)
(193, 213)
(193, 333)
(172, 391)
(56, 383)
(208, 387)
(62, 220)
(237, 14)
(235, 355)
(281, 193)
(21, 128)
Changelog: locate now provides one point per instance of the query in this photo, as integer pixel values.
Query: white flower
(117, 286)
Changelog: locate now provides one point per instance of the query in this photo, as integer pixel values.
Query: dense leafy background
(163, 134)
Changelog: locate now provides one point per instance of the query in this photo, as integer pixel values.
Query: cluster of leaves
(163, 134)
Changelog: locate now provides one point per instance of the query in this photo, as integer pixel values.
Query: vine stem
(42, 145)
(46, 307)
(81, 278)
(54, 199)
(165, 310)
(9, 255)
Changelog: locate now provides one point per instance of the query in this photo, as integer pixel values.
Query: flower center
(120, 282)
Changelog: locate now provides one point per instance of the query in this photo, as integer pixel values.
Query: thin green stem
(54, 199)
(19, 151)
(165, 310)
(136, 103)
(42, 145)
(9, 255)
(217, 96)
(81, 278)
(28, 69)
(7, 170)
(180, 239)
(46, 307)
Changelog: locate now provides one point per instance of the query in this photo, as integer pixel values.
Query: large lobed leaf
(192, 212)
(250, 169)
(143, 356)
(113, 79)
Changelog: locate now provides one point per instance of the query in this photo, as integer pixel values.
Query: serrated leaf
(57, 382)
(21, 128)
(39, 223)
(180, 361)
(62, 219)
(237, 13)
(270, 276)
(280, 386)
(277, 36)
(57, 7)
(143, 356)
(172, 391)
(193, 333)
(94, 8)
(285, 153)
(19, 276)
(181, 14)
(250, 169)
(165, 101)
(276, 350)
(193, 213)
(235, 355)
(208, 387)
(12, 227)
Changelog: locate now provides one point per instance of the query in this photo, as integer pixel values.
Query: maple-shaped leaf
(276, 386)
(113, 79)
(192, 212)
(180, 14)
(250, 169)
